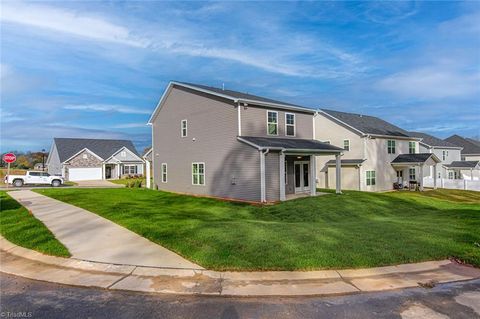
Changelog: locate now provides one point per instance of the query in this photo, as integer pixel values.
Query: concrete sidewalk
(91, 237)
(27, 263)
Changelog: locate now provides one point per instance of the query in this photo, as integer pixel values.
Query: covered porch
(296, 170)
(410, 167)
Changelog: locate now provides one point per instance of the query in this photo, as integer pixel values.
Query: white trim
(313, 175)
(276, 112)
(204, 173)
(294, 124)
(338, 174)
(283, 175)
(146, 154)
(313, 128)
(394, 146)
(162, 172)
(262, 177)
(308, 151)
(84, 149)
(186, 128)
(366, 177)
(349, 145)
(239, 119)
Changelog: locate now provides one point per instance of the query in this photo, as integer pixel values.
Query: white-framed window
(198, 173)
(164, 173)
(412, 147)
(85, 156)
(371, 178)
(346, 145)
(450, 175)
(391, 147)
(123, 154)
(289, 124)
(184, 128)
(129, 169)
(444, 155)
(439, 175)
(399, 174)
(411, 174)
(272, 123)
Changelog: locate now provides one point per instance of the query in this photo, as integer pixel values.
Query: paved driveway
(91, 237)
(97, 183)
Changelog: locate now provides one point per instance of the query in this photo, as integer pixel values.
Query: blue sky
(97, 69)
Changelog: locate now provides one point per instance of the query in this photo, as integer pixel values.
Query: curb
(31, 264)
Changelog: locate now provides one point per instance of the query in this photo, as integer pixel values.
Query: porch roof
(290, 144)
(414, 159)
(346, 162)
(463, 164)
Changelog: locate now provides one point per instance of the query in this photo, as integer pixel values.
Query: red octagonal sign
(9, 158)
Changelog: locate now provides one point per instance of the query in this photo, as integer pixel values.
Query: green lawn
(22, 228)
(332, 231)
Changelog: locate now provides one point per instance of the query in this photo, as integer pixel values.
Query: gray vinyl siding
(232, 168)
(272, 177)
(54, 165)
(254, 122)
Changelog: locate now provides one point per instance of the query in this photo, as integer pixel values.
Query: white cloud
(61, 20)
(130, 125)
(108, 108)
(443, 128)
(190, 39)
(433, 82)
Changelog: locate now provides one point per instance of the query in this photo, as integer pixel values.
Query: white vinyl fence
(471, 185)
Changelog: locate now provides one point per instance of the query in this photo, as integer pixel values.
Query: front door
(302, 176)
(108, 172)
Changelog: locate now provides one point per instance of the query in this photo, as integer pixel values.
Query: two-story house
(444, 150)
(222, 143)
(469, 165)
(377, 154)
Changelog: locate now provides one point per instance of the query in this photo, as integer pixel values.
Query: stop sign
(9, 158)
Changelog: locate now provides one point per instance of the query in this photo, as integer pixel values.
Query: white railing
(471, 185)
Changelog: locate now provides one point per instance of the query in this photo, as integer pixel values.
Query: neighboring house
(471, 147)
(377, 154)
(223, 143)
(79, 159)
(39, 166)
(444, 150)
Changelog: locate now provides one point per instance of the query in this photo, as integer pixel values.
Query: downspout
(239, 119)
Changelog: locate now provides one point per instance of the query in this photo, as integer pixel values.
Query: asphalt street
(24, 298)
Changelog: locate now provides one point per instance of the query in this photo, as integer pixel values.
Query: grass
(20, 227)
(356, 229)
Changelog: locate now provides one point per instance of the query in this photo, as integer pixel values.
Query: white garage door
(85, 174)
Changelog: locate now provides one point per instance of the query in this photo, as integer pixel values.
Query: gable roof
(235, 96)
(431, 140)
(67, 147)
(366, 124)
(469, 146)
(414, 158)
(289, 144)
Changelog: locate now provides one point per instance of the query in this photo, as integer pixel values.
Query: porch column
(421, 178)
(103, 170)
(471, 174)
(147, 173)
(262, 177)
(435, 176)
(118, 171)
(338, 174)
(313, 175)
(281, 167)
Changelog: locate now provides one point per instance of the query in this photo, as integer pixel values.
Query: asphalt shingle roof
(67, 147)
(469, 146)
(412, 158)
(291, 143)
(463, 164)
(241, 95)
(368, 124)
(431, 140)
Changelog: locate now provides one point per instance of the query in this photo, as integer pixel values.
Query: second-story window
(184, 128)
(444, 155)
(289, 124)
(391, 147)
(412, 147)
(346, 145)
(272, 123)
